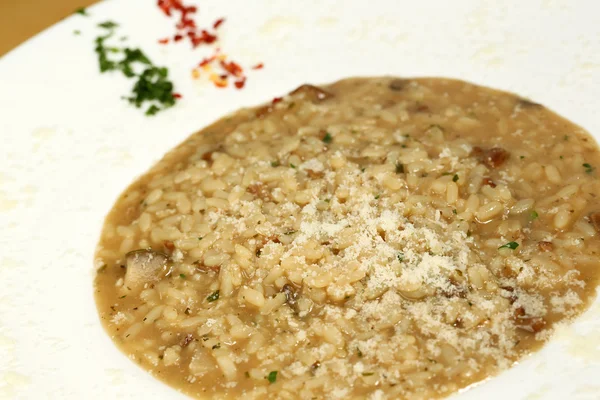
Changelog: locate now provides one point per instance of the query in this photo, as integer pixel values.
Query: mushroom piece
(291, 296)
(312, 93)
(595, 220)
(492, 158)
(525, 103)
(398, 84)
(144, 266)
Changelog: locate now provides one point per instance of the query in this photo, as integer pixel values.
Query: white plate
(70, 146)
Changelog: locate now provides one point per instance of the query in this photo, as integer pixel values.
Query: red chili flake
(218, 23)
(224, 77)
(168, 5)
(231, 67)
(208, 37)
(206, 61)
(205, 37)
(163, 41)
(177, 95)
(258, 66)
(185, 23)
(276, 100)
(240, 84)
(177, 37)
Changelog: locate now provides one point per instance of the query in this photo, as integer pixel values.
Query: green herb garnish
(292, 165)
(454, 211)
(509, 245)
(455, 178)
(152, 85)
(272, 377)
(399, 168)
(77, 32)
(533, 215)
(359, 353)
(327, 138)
(400, 256)
(290, 232)
(213, 297)
(108, 25)
(275, 164)
(368, 373)
(377, 197)
(82, 11)
(588, 168)
(217, 346)
(122, 297)
(182, 276)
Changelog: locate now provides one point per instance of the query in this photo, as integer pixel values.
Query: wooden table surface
(22, 19)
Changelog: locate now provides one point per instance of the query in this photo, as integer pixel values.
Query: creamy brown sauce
(376, 237)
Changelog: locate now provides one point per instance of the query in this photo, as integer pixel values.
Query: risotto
(374, 238)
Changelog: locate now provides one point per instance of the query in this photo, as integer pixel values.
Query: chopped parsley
(454, 211)
(152, 85)
(399, 168)
(533, 215)
(217, 346)
(400, 256)
(213, 297)
(368, 373)
(292, 165)
(272, 377)
(275, 164)
(359, 353)
(377, 197)
(327, 138)
(455, 178)
(290, 232)
(588, 168)
(77, 32)
(182, 276)
(122, 297)
(108, 25)
(82, 11)
(522, 157)
(509, 245)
